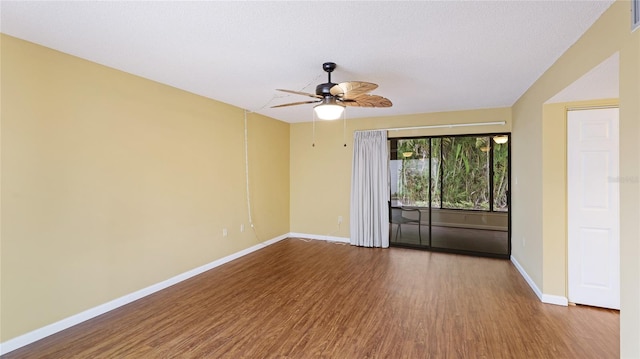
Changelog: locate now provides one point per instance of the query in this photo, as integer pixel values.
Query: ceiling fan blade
(352, 89)
(295, 103)
(366, 100)
(300, 93)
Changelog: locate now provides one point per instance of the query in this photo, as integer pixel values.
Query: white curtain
(369, 190)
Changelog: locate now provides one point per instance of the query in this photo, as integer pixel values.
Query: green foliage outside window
(500, 177)
(460, 170)
(413, 184)
(465, 171)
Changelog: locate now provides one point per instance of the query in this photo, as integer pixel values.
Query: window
(465, 172)
(410, 172)
(500, 177)
(450, 172)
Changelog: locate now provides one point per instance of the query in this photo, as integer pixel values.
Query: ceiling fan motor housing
(324, 89)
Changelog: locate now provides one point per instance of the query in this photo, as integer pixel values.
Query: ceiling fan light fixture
(328, 109)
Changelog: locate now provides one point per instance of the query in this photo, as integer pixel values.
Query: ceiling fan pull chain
(344, 127)
(313, 125)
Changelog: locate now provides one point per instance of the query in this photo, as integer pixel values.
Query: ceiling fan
(333, 98)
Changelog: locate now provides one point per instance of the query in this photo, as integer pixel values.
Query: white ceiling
(425, 56)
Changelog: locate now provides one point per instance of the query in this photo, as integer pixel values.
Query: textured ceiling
(425, 56)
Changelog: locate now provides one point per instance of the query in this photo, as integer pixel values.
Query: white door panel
(593, 205)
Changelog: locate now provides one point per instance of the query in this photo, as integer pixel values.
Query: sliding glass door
(451, 193)
(410, 167)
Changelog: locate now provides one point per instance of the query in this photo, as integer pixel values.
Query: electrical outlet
(224, 232)
(242, 227)
(524, 241)
(339, 219)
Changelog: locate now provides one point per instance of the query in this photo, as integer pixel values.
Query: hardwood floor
(306, 299)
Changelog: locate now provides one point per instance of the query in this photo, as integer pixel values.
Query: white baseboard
(320, 237)
(544, 298)
(35, 335)
(526, 277)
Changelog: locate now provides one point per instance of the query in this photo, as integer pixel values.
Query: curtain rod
(591, 108)
(437, 126)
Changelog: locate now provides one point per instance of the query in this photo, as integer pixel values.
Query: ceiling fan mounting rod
(328, 67)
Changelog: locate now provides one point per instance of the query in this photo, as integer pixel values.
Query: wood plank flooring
(316, 299)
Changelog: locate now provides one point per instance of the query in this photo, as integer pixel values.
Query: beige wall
(321, 175)
(535, 201)
(111, 183)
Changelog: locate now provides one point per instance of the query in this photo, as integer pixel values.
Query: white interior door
(593, 205)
